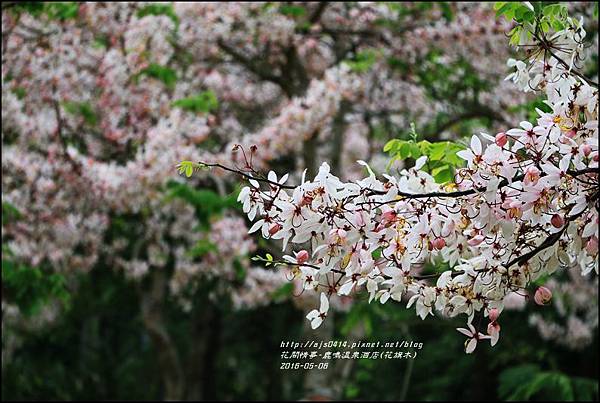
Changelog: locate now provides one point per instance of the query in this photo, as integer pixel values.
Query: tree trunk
(200, 339)
(337, 142)
(152, 301)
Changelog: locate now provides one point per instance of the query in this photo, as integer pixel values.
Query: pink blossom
(542, 296)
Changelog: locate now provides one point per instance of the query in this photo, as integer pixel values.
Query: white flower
(473, 337)
(473, 154)
(316, 316)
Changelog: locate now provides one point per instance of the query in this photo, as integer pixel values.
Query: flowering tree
(101, 100)
(524, 206)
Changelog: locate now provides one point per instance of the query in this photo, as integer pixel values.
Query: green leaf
(240, 271)
(443, 174)
(438, 151)
(446, 11)
(31, 287)
(83, 109)
(204, 102)
(363, 61)
(512, 378)
(201, 248)
(499, 4)
(159, 9)
(390, 145)
(283, 292)
(528, 382)
(206, 202)
(162, 73)
(404, 151)
(188, 167)
(292, 10)
(53, 10)
(9, 212)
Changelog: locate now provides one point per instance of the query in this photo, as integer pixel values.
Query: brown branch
(547, 46)
(245, 175)
(251, 64)
(572, 70)
(468, 192)
(548, 242)
(316, 15)
(461, 193)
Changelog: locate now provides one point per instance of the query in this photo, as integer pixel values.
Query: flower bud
(586, 149)
(307, 200)
(302, 256)
(542, 296)
(557, 221)
(571, 133)
(591, 246)
(388, 216)
(439, 243)
(493, 327)
(493, 314)
(501, 139)
(274, 229)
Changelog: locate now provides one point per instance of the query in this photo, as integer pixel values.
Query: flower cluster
(93, 123)
(525, 205)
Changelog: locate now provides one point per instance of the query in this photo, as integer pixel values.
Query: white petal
(465, 331)
(476, 145)
(312, 314)
(256, 226)
(315, 323)
(466, 155)
(324, 303)
(412, 300)
(526, 125)
(470, 346)
(495, 336)
(346, 288)
(420, 162)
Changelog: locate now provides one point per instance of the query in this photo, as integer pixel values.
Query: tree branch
(250, 63)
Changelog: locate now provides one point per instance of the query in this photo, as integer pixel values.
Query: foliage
(441, 156)
(83, 109)
(363, 61)
(52, 10)
(292, 10)
(159, 9)
(204, 102)
(166, 75)
(527, 15)
(526, 382)
(206, 202)
(31, 288)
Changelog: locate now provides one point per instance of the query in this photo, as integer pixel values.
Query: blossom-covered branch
(525, 204)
